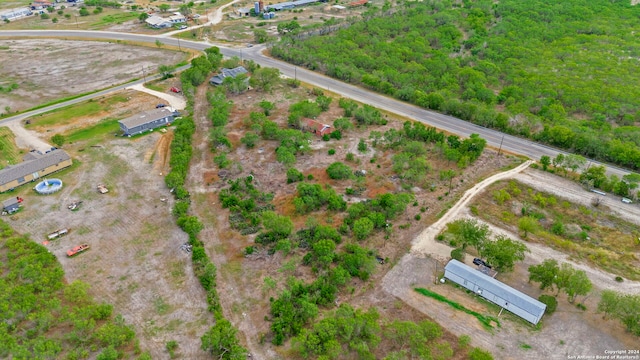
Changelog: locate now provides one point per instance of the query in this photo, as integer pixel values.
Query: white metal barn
(493, 290)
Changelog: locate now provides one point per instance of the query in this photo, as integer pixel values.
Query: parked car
(182, 27)
(160, 106)
(627, 201)
(77, 250)
(479, 262)
(175, 89)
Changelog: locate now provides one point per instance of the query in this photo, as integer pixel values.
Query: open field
(71, 68)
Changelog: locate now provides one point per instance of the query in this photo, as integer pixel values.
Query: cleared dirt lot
(50, 69)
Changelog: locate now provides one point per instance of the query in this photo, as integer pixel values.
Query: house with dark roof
(219, 78)
(147, 121)
(12, 204)
(34, 166)
(495, 291)
(318, 128)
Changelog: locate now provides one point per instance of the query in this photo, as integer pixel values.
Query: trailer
(77, 250)
(58, 233)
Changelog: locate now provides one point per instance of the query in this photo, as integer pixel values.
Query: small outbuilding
(495, 291)
(34, 166)
(243, 12)
(11, 205)
(318, 128)
(219, 78)
(147, 121)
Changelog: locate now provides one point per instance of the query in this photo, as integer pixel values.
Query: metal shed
(147, 121)
(496, 292)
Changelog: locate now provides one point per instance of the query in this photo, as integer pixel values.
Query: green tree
(164, 7)
(58, 140)
(595, 176)
(266, 106)
(250, 139)
(190, 224)
(625, 308)
(278, 224)
(544, 273)
(166, 71)
(221, 341)
(260, 36)
(293, 175)
(504, 252)
(143, 16)
(479, 354)
(362, 228)
(528, 225)
(545, 161)
(339, 171)
(265, 78)
(573, 282)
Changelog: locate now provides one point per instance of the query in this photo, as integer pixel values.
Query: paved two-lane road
(450, 124)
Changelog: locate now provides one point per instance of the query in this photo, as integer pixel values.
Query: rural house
(219, 78)
(34, 166)
(147, 121)
(496, 292)
(318, 128)
(11, 205)
(40, 4)
(157, 22)
(177, 18)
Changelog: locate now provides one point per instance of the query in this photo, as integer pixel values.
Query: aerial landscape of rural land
(314, 179)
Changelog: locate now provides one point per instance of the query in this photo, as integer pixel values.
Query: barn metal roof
(494, 286)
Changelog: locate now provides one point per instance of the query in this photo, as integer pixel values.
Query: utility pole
(76, 21)
(295, 73)
(144, 75)
(179, 48)
(500, 149)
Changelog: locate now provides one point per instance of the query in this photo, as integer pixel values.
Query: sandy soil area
(175, 101)
(26, 139)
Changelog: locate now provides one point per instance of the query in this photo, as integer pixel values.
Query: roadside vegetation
(498, 65)
(43, 317)
(587, 233)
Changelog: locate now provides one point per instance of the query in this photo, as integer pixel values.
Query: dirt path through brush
(425, 243)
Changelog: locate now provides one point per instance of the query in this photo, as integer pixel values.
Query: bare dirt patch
(50, 69)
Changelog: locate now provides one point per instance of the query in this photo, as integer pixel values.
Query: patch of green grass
(161, 306)
(117, 18)
(9, 152)
(525, 346)
(104, 127)
(484, 319)
(66, 114)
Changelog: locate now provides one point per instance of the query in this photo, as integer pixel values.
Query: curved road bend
(444, 122)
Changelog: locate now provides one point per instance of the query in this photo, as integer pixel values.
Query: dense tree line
(42, 317)
(572, 85)
(221, 340)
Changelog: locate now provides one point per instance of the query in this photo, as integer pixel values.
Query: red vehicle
(77, 250)
(175, 89)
